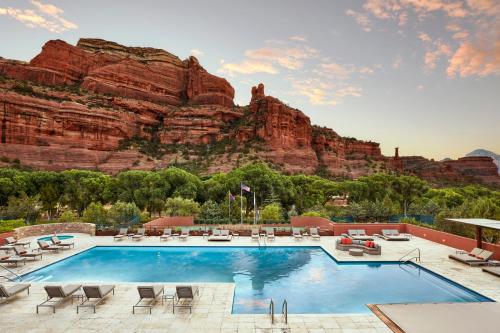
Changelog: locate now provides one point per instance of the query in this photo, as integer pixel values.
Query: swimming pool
(310, 279)
(61, 237)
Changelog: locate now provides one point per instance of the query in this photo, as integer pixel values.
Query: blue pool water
(310, 280)
(61, 237)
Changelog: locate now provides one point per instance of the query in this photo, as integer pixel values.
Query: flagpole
(241, 204)
(254, 209)
(229, 198)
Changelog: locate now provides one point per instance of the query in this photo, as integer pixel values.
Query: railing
(271, 311)
(11, 272)
(284, 311)
(417, 257)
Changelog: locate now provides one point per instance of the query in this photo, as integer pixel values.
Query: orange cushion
(348, 241)
(23, 252)
(4, 258)
(368, 243)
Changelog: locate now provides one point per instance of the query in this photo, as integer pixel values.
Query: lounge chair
(296, 233)
(140, 233)
(474, 258)
(13, 241)
(220, 236)
(270, 234)
(184, 234)
(393, 235)
(150, 293)
(121, 234)
(10, 291)
(255, 234)
(44, 246)
(56, 241)
(167, 233)
(495, 270)
(10, 260)
(185, 297)
(23, 253)
(60, 294)
(358, 234)
(96, 293)
(314, 233)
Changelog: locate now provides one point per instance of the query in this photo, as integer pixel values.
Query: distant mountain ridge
(484, 152)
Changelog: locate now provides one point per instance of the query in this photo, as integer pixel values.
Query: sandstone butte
(104, 106)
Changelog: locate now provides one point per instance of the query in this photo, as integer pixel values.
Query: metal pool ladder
(416, 257)
(271, 311)
(284, 311)
(11, 272)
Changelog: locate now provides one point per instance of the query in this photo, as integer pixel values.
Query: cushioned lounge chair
(13, 241)
(473, 258)
(393, 235)
(167, 233)
(270, 233)
(121, 234)
(94, 295)
(56, 241)
(296, 233)
(11, 260)
(139, 235)
(492, 270)
(150, 294)
(44, 246)
(184, 234)
(57, 295)
(358, 234)
(184, 297)
(220, 236)
(314, 233)
(24, 253)
(10, 291)
(255, 234)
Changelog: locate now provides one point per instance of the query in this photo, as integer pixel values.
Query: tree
(181, 207)
(95, 213)
(211, 211)
(235, 209)
(124, 213)
(68, 216)
(407, 189)
(271, 212)
(24, 207)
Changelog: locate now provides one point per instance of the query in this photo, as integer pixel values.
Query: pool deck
(212, 311)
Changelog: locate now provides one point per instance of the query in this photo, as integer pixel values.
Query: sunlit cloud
(247, 67)
(323, 92)
(197, 53)
(473, 60)
(436, 50)
(299, 38)
(397, 62)
(44, 15)
(360, 18)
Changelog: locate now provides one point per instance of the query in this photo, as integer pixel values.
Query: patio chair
(296, 234)
(121, 234)
(474, 258)
(255, 234)
(314, 233)
(184, 234)
(13, 241)
(185, 297)
(44, 246)
(358, 234)
(167, 233)
(11, 260)
(56, 241)
(139, 235)
(60, 294)
(270, 234)
(492, 270)
(23, 253)
(10, 291)
(96, 293)
(150, 294)
(393, 235)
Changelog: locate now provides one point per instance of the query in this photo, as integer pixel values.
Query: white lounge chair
(296, 234)
(314, 233)
(167, 234)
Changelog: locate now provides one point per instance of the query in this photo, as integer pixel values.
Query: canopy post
(479, 237)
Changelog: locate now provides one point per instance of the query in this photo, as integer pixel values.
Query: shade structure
(479, 224)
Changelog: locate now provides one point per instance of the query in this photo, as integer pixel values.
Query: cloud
(46, 16)
(397, 62)
(424, 37)
(323, 92)
(247, 67)
(432, 55)
(298, 38)
(361, 18)
(197, 53)
(420, 87)
(472, 60)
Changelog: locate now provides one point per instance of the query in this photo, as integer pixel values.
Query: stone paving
(212, 310)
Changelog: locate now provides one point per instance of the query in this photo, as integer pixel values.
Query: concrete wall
(59, 228)
(5, 235)
(311, 221)
(169, 221)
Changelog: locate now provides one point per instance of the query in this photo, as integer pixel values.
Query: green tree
(272, 212)
(68, 216)
(181, 207)
(407, 189)
(124, 213)
(25, 207)
(95, 213)
(211, 211)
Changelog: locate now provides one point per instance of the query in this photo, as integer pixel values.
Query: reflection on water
(306, 276)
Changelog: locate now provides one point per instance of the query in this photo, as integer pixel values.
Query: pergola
(479, 224)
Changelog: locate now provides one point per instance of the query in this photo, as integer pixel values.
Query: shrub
(271, 212)
(68, 216)
(95, 213)
(9, 225)
(123, 212)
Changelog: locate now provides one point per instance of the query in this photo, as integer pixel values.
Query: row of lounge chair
(93, 295)
(21, 254)
(387, 234)
(476, 257)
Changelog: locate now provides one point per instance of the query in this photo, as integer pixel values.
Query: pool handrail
(271, 311)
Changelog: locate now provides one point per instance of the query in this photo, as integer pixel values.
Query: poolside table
(356, 252)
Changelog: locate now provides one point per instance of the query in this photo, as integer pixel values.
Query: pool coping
(319, 246)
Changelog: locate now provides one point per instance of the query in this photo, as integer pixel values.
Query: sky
(422, 75)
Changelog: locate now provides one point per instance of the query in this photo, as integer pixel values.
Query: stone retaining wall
(59, 228)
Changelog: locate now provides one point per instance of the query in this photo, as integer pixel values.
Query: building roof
(485, 223)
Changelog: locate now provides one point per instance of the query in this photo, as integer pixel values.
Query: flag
(245, 187)
(231, 196)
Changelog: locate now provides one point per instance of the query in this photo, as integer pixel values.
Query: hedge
(9, 225)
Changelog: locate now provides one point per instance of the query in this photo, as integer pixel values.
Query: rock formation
(101, 105)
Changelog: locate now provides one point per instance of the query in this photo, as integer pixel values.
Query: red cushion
(372, 244)
(4, 258)
(368, 243)
(348, 241)
(23, 252)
